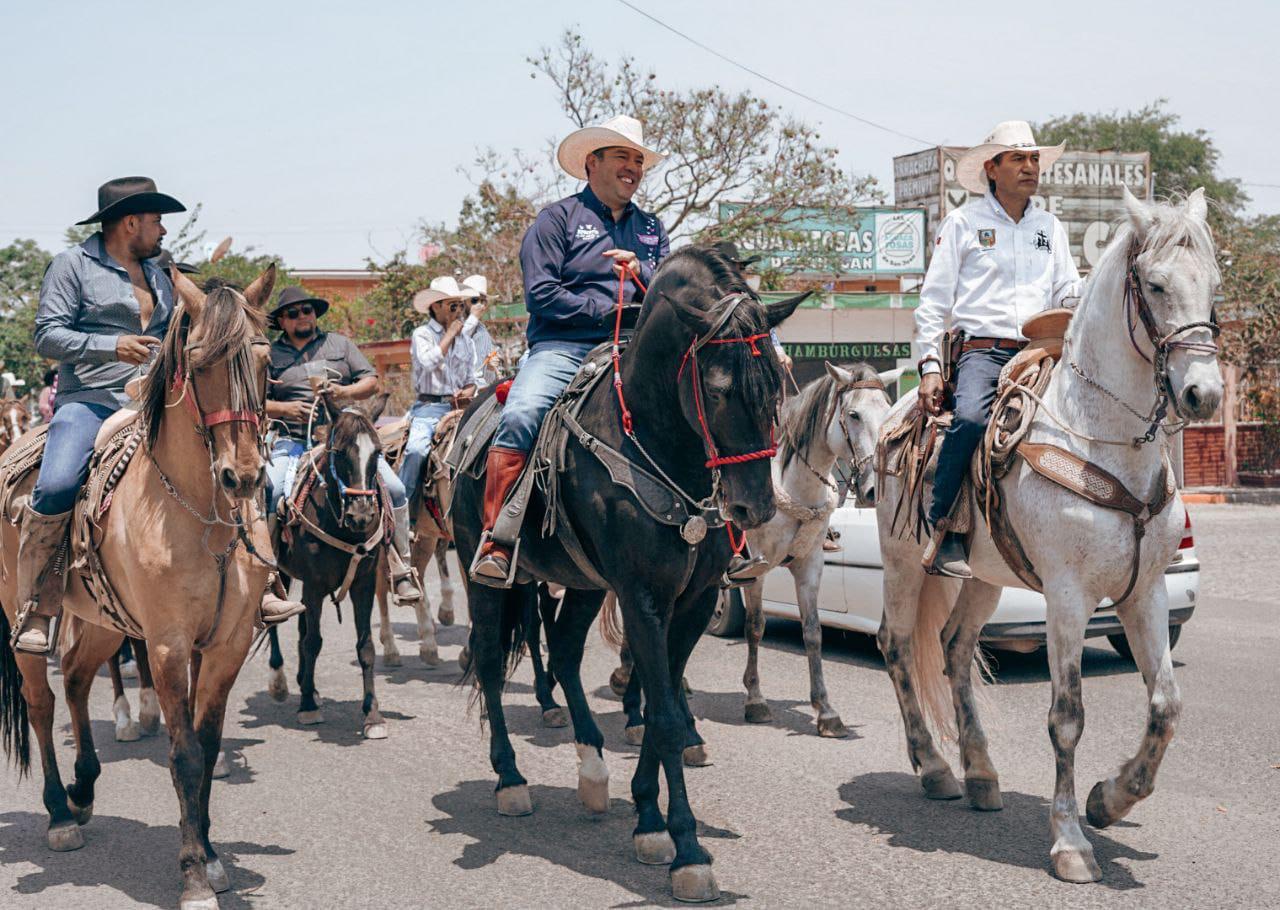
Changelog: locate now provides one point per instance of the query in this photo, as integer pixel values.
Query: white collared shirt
(990, 274)
(436, 373)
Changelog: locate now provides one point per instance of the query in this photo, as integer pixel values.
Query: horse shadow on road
(563, 833)
(343, 720)
(136, 859)
(890, 803)
(155, 749)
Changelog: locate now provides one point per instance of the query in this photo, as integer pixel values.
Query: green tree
(22, 266)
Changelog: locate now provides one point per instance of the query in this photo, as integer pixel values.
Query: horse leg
(188, 764)
(148, 703)
(489, 663)
(807, 574)
(390, 653)
(757, 709)
(80, 665)
(621, 675)
(277, 685)
(428, 649)
(446, 613)
(543, 680)
(631, 705)
(126, 730)
(1146, 625)
(974, 606)
(1068, 613)
(309, 645)
(578, 610)
(904, 582)
(695, 747)
(362, 603)
(64, 834)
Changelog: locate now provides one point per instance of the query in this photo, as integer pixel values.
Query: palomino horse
(14, 420)
(186, 522)
(695, 384)
(835, 416)
(1143, 331)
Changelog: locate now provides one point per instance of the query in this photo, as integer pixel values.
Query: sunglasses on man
(302, 309)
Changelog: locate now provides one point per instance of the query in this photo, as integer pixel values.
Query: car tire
(1121, 644)
(730, 618)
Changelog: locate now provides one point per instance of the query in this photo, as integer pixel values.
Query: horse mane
(805, 417)
(227, 325)
(348, 426)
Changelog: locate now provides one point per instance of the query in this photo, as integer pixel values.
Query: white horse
(1124, 348)
(835, 416)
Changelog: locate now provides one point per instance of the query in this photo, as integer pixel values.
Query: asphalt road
(317, 817)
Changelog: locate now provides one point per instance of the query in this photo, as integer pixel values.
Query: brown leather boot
(276, 607)
(39, 590)
(502, 469)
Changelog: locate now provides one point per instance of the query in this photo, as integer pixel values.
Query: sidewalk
(1263, 496)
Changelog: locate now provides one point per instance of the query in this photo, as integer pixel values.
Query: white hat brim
(573, 152)
(423, 299)
(971, 175)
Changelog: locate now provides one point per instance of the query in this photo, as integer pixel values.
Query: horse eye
(853, 415)
(1155, 288)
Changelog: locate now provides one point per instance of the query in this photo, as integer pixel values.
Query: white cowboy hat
(475, 286)
(622, 130)
(442, 288)
(1010, 136)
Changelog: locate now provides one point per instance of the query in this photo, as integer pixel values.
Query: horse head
(212, 367)
(350, 470)
(1173, 277)
(860, 405)
(14, 420)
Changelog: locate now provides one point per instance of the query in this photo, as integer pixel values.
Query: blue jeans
(66, 455)
(550, 367)
(285, 455)
(424, 416)
(976, 375)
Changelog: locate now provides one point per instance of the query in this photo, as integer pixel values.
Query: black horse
(702, 383)
(333, 543)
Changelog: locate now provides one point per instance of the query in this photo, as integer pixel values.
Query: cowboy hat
(291, 296)
(622, 130)
(475, 286)
(131, 196)
(1010, 136)
(443, 288)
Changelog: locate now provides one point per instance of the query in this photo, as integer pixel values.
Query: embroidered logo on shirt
(651, 239)
(986, 238)
(1042, 242)
(587, 232)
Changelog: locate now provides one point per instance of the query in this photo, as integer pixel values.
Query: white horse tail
(611, 622)
(928, 669)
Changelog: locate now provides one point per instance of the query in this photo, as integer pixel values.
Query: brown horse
(14, 420)
(187, 522)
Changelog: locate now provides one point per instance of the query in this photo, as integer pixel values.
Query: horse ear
(695, 318)
(191, 296)
(1139, 214)
(888, 377)
(373, 407)
(259, 292)
(842, 377)
(774, 313)
(1197, 206)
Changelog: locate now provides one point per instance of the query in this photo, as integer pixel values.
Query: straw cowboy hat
(475, 286)
(131, 196)
(622, 130)
(442, 288)
(1010, 136)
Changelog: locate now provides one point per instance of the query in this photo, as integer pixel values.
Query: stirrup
(404, 600)
(490, 580)
(745, 572)
(20, 628)
(276, 618)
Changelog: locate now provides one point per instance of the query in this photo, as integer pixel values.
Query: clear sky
(325, 131)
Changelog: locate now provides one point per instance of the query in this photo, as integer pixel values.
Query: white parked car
(851, 596)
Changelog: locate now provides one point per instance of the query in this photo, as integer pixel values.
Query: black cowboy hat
(131, 196)
(165, 260)
(292, 296)
(729, 250)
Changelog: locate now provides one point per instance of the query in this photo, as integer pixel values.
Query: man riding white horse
(998, 261)
(104, 306)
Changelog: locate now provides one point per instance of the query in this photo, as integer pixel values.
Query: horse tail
(15, 731)
(928, 666)
(611, 622)
(518, 604)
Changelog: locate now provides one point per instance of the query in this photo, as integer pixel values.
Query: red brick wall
(1203, 463)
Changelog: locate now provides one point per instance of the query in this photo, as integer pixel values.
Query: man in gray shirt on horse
(104, 306)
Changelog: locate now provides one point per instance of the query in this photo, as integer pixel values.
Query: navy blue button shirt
(570, 286)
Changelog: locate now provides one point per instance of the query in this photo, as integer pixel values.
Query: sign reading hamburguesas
(870, 241)
(847, 350)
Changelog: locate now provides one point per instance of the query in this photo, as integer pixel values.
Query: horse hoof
(375, 731)
(278, 686)
(217, 875)
(309, 718)
(82, 814)
(593, 779)
(429, 655)
(696, 756)
(634, 735)
(984, 795)
(1076, 866)
(555, 717)
(128, 732)
(757, 712)
(199, 903)
(655, 848)
(65, 837)
(1095, 807)
(515, 801)
(694, 885)
(390, 659)
(149, 712)
(618, 682)
(464, 658)
(221, 769)
(445, 617)
(940, 785)
(832, 727)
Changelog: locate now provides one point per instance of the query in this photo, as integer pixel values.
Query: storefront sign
(871, 241)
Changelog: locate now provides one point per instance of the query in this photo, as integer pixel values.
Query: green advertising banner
(867, 241)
